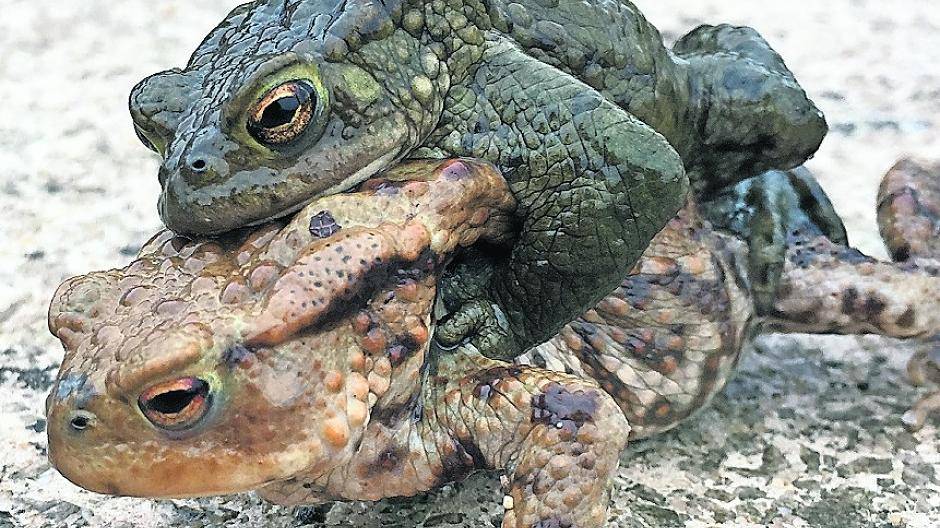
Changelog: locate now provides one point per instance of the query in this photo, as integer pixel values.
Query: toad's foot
(558, 436)
(909, 210)
(828, 287)
(909, 219)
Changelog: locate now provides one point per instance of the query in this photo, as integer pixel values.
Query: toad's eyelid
(133, 379)
(280, 68)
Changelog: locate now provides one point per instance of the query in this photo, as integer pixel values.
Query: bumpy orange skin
(292, 331)
(313, 338)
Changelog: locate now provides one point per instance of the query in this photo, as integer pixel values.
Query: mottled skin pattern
(297, 360)
(763, 212)
(909, 218)
(591, 119)
(314, 355)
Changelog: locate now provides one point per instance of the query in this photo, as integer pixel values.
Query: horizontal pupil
(174, 402)
(280, 112)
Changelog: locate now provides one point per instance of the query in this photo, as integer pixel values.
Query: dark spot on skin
(663, 413)
(457, 170)
(489, 379)
(874, 307)
(849, 298)
(637, 292)
(237, 354)
(483, 391)
(559, 407)
(395, 414)
(396, 354)
(323, 225)
(388, 461)
(907, 318)
(401, 349)
(902, 253)
(464, 458)
(800, 258)
(870, 309)
(553, 522)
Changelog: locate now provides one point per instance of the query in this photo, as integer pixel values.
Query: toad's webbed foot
(750, 111)
(472, 316)
(828, 287)
(482, 324)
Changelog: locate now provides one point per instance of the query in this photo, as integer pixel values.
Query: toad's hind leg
(668, 338)
(827, 287)
(558, 437)
(909, 210)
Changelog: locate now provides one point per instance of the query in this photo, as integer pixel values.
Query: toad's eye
(283, 114)
(176, 405)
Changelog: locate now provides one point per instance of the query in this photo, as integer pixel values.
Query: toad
(297, 359)
(597, 126)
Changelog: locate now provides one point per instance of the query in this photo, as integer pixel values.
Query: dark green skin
(769, 212)
(595, 124)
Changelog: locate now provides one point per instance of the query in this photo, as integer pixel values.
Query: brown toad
(296, 360)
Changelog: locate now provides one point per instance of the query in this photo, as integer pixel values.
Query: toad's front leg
(593, 183)
(557, 437)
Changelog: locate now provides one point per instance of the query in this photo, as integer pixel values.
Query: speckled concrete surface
(807, 435)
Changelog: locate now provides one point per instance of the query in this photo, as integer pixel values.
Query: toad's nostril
(199, 165)
(81, 420)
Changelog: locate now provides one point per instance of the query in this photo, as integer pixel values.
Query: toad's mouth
(238, 202)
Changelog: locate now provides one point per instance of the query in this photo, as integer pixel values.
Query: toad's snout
(202, 198)
(72, 426)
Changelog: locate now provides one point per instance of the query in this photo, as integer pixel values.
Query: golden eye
(177, 404)
(283, 114)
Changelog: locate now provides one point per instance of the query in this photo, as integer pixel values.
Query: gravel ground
(807, 435)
